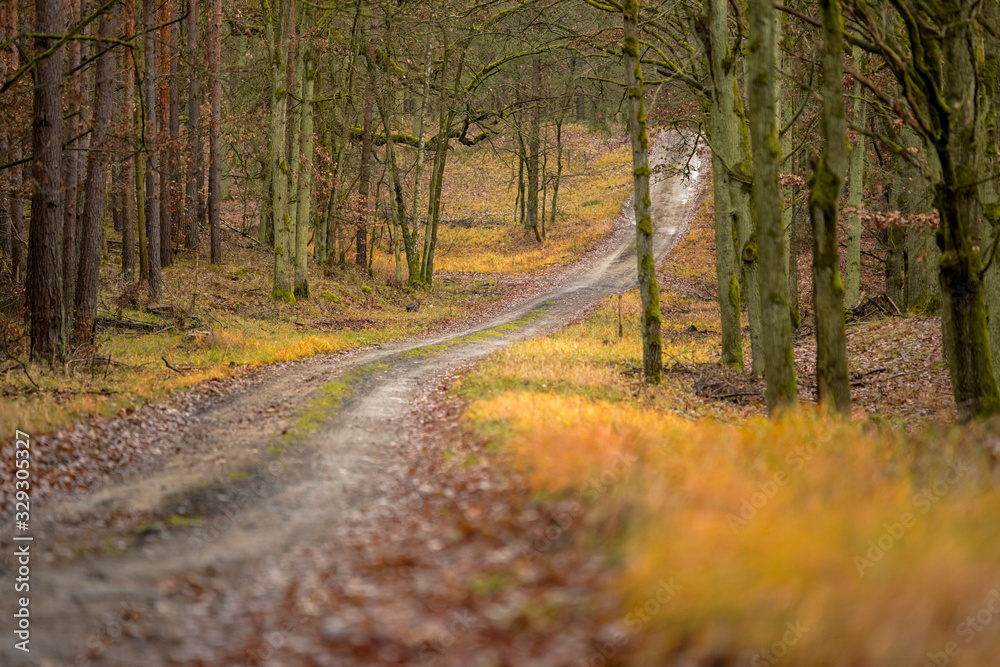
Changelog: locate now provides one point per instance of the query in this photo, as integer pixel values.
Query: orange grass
(869, 539)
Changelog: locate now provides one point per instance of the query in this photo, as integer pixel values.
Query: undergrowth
(804, 540)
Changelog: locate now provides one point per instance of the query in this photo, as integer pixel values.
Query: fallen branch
(735, 394)
(245, 235)
(171, 367)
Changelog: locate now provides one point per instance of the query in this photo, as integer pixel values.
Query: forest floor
(420, 505)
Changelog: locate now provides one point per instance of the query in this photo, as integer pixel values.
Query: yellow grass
(238, 326)
(803, 541)
(480, 232)
(880, 548)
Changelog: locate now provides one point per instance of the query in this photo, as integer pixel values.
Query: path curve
(344, 470)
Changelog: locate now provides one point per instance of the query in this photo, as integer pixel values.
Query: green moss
(241, 475)
(734, 292)
(178, 520)
(283, 295)
(425, 351)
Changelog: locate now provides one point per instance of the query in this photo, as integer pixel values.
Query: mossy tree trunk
(305, 167)
(649, 290)
(973, 380)
(776, 319)
(922, 287)
(279, 19)
(988, 68)
(725, 139)
(833, 387)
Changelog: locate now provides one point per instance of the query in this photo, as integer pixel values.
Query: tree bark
(833, 388)
(446, 115)
(649, 289)
(534, 141)
(44, 289)
(176, 191)
(71, 164)
(279, 27)
(988, 65)
(193, 128)
(973, 380)
(776, 318)
(8, 143)
(215, 138)
(96, 185)
(725, 137)
(166, 157)
(397, 203)
(152, 185)
(302, 218)
(855, 191)
(364, 182)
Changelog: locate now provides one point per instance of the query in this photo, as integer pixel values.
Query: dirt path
(263, 472)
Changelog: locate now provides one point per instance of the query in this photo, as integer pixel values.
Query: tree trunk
(559, 166)
(152, 185)
(176, 194)
(989, 197)
(895, 245)
(71, 164)
(194, 129)
(279, 28)
(133, 141)
(44, 289)
(336, 245)
(833, 387)
(855, 192)
(776, 318)
(397, 203)
(649, 289)
(414, 266)
(215, 138)
(166, 214)
(302, 219)
(921, 276)
(96, 184)
(447, 117)
(725, 137)
(8, 141)
(265, 233)
(534, 131)
(972, 377)
(364, 182)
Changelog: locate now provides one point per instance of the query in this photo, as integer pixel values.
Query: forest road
(345, 470)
